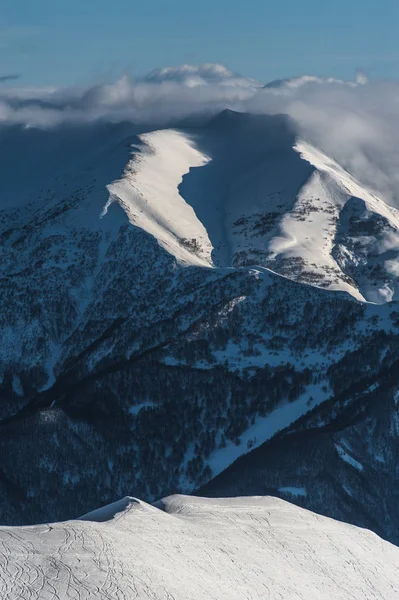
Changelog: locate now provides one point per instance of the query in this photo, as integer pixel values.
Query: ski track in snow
(188, 548)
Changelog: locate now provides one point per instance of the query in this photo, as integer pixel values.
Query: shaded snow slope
(193, 548)
(53, 189)
(267, 198)
(60, 175)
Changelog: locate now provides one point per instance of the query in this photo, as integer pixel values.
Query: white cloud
(208, 73)
(355, 122)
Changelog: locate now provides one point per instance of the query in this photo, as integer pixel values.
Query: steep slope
(53, 240)
(187, 548)
(149, 193)
(342, 455)
(366, 233)
(123, 372)
(269, 199)
(251, 193)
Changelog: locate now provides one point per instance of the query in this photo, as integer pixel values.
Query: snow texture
(149, 194)
(192, 549)
(342, 453)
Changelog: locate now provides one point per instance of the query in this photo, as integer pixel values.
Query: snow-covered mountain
(251, 193)
(192, 548)
(173, 298)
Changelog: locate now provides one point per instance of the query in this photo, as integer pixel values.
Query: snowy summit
(194, 548)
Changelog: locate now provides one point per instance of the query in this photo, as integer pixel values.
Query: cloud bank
(356, 122)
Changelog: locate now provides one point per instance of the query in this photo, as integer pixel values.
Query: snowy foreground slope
(194, 548)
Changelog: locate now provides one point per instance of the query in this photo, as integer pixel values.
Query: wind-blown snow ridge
(149, 193)
(194, 548)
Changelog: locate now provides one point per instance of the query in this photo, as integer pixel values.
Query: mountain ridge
(143, 362)
(186, 547)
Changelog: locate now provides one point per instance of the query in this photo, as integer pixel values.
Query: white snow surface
(148, 192)
(186, 548)
(259, 206)
(342, 453)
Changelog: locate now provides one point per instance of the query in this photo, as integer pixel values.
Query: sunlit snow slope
(192, 549)
(244, 190)
(149, 193)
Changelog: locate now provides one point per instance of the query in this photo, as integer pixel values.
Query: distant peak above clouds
(207, 71)
(205, 74)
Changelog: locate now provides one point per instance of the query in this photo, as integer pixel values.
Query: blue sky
(82, 41)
